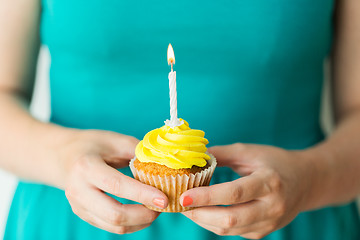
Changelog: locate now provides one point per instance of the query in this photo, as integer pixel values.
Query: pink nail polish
(159, 202)
(187, 201)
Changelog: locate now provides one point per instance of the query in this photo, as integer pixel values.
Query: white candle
(174, 121)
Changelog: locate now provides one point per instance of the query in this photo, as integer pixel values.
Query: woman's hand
(89, 160)
(271, 193)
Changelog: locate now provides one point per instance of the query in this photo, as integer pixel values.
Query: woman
(249, 75)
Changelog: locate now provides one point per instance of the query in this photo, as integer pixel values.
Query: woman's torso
(247, 71)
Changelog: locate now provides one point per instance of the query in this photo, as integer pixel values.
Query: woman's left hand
(272, 192)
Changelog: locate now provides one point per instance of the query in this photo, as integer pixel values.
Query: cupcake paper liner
(174, 186)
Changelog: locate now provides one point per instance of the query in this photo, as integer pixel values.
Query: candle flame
(170, 55)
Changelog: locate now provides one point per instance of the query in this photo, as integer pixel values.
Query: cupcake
(173, 159)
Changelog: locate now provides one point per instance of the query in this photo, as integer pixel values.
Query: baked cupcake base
(173, 185)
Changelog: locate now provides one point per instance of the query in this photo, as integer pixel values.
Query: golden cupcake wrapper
(174, 186)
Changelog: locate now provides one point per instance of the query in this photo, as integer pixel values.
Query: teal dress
(247, 71)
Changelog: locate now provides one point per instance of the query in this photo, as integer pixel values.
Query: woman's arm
(278, 184)
(82, 162)
(24, 141)
(337, 160)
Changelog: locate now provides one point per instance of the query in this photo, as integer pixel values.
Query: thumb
(241, 190)
(125, 145)
(112, 181)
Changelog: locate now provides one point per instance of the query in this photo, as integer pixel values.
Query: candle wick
(171, 66)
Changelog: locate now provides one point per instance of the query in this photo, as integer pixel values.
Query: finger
(112, 181)
(252, 231)
(228, 155)
(241, 190)
(253, 235)
(113, 228)
(255, 231)
(217, 230)
(121, 146)
(220, 230)
(113, 212)
(235, 216)
(246, 232)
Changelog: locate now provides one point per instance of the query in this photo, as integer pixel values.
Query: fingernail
(159, 202)
(187, 201)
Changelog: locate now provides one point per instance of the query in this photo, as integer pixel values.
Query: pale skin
(276, 185)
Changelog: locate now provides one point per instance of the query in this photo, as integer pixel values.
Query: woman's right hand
(90, 160)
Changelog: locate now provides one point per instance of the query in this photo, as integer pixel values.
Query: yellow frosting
(177, 147)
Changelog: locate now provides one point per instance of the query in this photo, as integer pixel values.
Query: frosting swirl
(177, 147)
